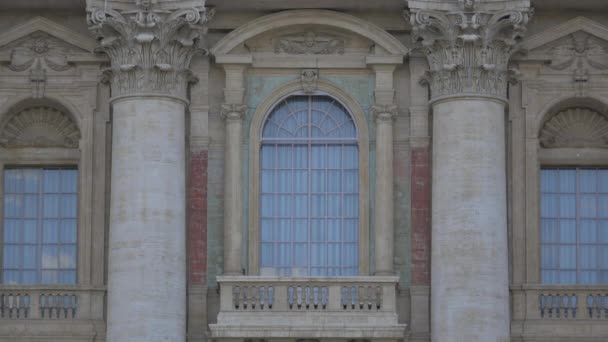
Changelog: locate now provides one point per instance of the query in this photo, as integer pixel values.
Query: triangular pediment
(40, 25)
(561, 33)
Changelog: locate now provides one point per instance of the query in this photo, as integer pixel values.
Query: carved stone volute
(150, 48)
(468, 50)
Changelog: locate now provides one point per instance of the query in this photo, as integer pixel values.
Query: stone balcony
(560, 312)
(57, 313)
(307, 308)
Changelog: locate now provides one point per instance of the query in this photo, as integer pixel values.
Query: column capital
(384, 113)
(233, 111)
(468, 45)
(150, 44)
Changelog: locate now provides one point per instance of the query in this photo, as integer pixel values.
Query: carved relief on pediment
(308, 40)
(309, 43)
(580, 53)
(40, 126)
(575, 127)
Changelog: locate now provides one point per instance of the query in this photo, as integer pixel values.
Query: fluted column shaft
(468, 50)
(147, 243)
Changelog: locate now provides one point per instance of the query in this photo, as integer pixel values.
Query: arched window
(309, 189)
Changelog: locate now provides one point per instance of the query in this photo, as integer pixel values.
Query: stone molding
(575, 127)
(468, 50)
(150, 48)
(384, 113)
(40, 126)
(233, 112)
(581, 53)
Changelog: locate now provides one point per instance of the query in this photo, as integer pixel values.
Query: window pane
(314, 182)
(579, 207)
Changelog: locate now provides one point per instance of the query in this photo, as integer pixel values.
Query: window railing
(50, 303)
(560, 302)
(257, 306)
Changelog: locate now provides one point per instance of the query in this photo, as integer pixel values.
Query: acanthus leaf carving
(233, 111)
(384, 112)
(150, 48)
(309, 43)
(575, 127)
(40, 126)
(468, 50)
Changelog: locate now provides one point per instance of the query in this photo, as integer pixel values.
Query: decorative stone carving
(40, 126)
(233, 111)
(309, 78)
(579, 54)
(468, 50)
(384, 112)
(150, 48)
(575, 127)
(38, 53)
(309, 43)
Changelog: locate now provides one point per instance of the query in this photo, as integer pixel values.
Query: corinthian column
(468, 46)
(150, 44)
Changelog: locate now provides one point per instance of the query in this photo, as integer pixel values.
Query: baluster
(18, 305)
(550, 305)
(307, 296)
(353, 296)
(10, 305)
(66, 305)
(299, 296)
(262, 297)
(315, 297)
(74, 305)
(606, 306)
(254, 296)
(370, 297)
(574, 301)
(344, 297)
(2, 305)
(598, 306)
(41, 302)
(590, 305)
(362, 296)
(236, 293)
(290, 296)
(58, 305)
(270, 296)
(324, 297)
(558, 303)
(541, 304)
(378, 297)
(565, 305)
(245, 294)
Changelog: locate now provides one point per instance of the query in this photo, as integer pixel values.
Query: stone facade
(161, 104)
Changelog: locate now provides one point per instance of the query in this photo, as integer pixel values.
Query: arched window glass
(309, 198)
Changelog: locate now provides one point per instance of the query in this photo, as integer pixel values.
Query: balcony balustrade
(283, 307)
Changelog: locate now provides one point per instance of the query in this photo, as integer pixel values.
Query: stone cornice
(468, 50)
(150, 47)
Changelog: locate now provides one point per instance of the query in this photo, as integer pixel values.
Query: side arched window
(309, 189)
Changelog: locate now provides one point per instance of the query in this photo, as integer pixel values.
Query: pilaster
(233, 112)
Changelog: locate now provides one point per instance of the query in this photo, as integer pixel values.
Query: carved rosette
(384, 113)
(468, 50)
(150, 49)
(233, 112)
